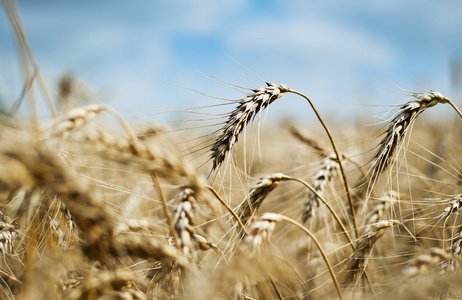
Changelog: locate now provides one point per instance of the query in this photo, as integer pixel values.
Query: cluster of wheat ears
(89, 212)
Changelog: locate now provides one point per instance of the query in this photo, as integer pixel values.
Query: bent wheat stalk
(278, 217)
(269, 183)
(339, 158)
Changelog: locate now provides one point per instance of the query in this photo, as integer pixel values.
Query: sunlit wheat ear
(183, 220)
(456, 248)
(47, 170)
(377, 211)
(260, 231)
(8, 234)
(397, 130)
(453, 207)
(356, 265)
(312, 143)
(257, 194)
(319, 181)
(107, 285)
(422, 263)
(145, 247)
(238, 119)
(152, 158)
(75, 119)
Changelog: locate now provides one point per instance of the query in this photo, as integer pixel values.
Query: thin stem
(276, 289)
(228, 208)
(124, 123)
(155, 178)
(336, 217)
(455, 108)
(324, 256)
(342, 171)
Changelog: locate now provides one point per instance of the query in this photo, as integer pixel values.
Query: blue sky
(340, 53)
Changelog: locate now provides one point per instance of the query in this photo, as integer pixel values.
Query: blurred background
(347, 56)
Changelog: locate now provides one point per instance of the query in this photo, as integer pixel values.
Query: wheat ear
(423, 262)
(398, 127)
(257, 194)
(356, 265)
(319, 181)
(238, 119)
(376, 212)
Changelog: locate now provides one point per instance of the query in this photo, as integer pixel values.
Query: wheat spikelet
(456, 242)
(453, 207)
(258, 193)
(357, 262)
(183, 219)
(150, 158)
(107, 285)
(398, 127)
(424, 262)
(260, 231)
(238, 119)
(312, 143)
(8, 234)
(48, 171)
(75, 119)
(319, 181)
(123, 245)
(377, 211)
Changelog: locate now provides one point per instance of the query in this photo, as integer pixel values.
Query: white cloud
(314, 38)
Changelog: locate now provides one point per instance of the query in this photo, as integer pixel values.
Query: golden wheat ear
(239, 118)
(398, 128)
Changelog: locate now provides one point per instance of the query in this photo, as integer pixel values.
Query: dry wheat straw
(239, 118)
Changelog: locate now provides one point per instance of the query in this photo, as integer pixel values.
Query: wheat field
(93, 207)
